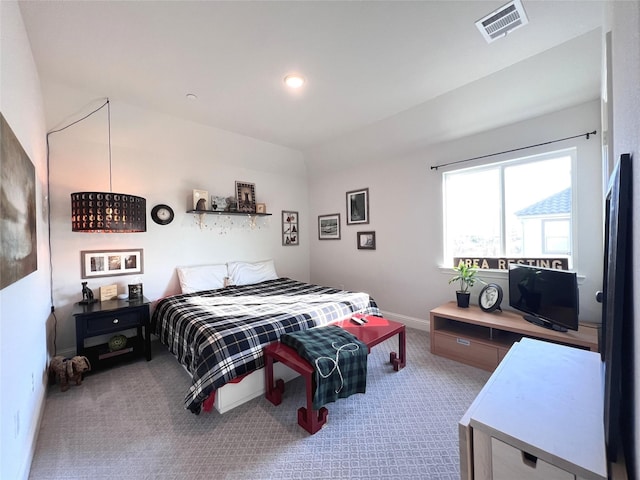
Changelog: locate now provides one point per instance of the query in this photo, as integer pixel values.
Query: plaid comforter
(218, 335)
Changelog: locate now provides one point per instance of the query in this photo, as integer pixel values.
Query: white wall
(24, 305)
(403, 274)
(163, 159)
(625, 27)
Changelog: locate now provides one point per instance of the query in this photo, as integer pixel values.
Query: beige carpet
(128, 423)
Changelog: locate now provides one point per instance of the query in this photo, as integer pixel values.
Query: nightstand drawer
(114, 321)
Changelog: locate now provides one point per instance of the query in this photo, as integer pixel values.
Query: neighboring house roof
(555, 204)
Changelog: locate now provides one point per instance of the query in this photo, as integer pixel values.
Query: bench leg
(401, 361)
(273, 394)
(308, 418)
(312, 420)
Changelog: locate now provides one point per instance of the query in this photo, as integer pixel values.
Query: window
(518, 208)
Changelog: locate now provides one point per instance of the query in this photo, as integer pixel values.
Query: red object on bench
(376, 330)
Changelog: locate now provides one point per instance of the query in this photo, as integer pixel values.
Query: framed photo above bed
(290, 228)
(358, 206)
(366, 240)
(246, 197)
(100, 263)
(329, 227)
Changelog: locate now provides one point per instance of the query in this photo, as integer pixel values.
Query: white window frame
(501, 165)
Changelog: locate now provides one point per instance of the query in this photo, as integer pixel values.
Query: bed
(218, 334)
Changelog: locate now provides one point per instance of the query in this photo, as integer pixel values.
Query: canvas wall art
(18, 252)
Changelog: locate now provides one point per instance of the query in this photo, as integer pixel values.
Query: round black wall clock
(162, 214)
(490, 298)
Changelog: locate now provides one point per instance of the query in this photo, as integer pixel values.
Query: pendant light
(108, 212)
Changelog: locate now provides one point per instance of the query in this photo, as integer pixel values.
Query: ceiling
(368, 64)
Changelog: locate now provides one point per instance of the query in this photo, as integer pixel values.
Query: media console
(482, 339)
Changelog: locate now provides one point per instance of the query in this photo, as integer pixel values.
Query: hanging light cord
(436, 167)
(55, 319)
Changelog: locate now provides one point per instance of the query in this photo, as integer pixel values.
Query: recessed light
(294, 81)
(192, 96)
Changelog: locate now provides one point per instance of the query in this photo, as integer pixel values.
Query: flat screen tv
(617, 316)
(547, 297)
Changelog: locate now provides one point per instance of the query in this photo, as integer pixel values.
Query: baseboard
(412, 322)
(34, 431)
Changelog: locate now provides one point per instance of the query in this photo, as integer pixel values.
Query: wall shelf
(215, 212)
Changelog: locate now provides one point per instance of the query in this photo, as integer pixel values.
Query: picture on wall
(366, 240)
(329, 227)
(358, 206)
(290, 228)
(99, 263)
(246, 197)
(18, 252)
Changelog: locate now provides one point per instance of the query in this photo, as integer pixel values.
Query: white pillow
(201, 277)
(246, 273)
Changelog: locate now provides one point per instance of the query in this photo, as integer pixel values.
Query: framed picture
(19, 252)
(200, 200)
(261, 208)
(100, 263)
(358, 206)
(290, 228)
(329, 227)
(366, 240)
(246, 197)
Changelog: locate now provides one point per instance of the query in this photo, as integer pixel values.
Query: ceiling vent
(502, 21)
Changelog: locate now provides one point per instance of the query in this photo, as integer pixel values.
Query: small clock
(162, 214)
(490, 298)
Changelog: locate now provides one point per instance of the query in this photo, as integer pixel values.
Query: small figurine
(87, 295)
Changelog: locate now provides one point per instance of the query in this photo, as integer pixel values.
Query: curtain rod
(587, 135)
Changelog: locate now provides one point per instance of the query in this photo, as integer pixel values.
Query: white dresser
(540, 416)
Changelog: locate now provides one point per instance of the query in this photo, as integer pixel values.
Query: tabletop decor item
(466, 275)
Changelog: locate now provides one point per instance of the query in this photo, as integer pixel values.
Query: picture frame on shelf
(358, 206)
(110, 263)
(261, 208)
(218, 203)
(290, 228)
(366, 240)
(200, 200)
(329, 227)
(246, 197)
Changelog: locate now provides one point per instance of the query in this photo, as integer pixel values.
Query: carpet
(128, 423)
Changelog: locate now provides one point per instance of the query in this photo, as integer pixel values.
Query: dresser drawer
(465, 350)
(509, 463)
(98, 324)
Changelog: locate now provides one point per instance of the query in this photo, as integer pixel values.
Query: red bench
(373, 332)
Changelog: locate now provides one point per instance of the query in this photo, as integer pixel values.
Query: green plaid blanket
(339, 360)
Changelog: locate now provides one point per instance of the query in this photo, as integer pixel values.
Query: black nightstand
(111, 317)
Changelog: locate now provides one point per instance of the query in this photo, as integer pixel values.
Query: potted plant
(466, 275)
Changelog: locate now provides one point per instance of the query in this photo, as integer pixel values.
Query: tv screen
(548, 297)
(617, 315)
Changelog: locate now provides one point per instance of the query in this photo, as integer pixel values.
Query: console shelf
(481, 339)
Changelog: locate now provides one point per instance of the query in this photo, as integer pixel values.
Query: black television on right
(617, 315)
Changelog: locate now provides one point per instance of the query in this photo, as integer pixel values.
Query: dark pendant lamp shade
(107, 212)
